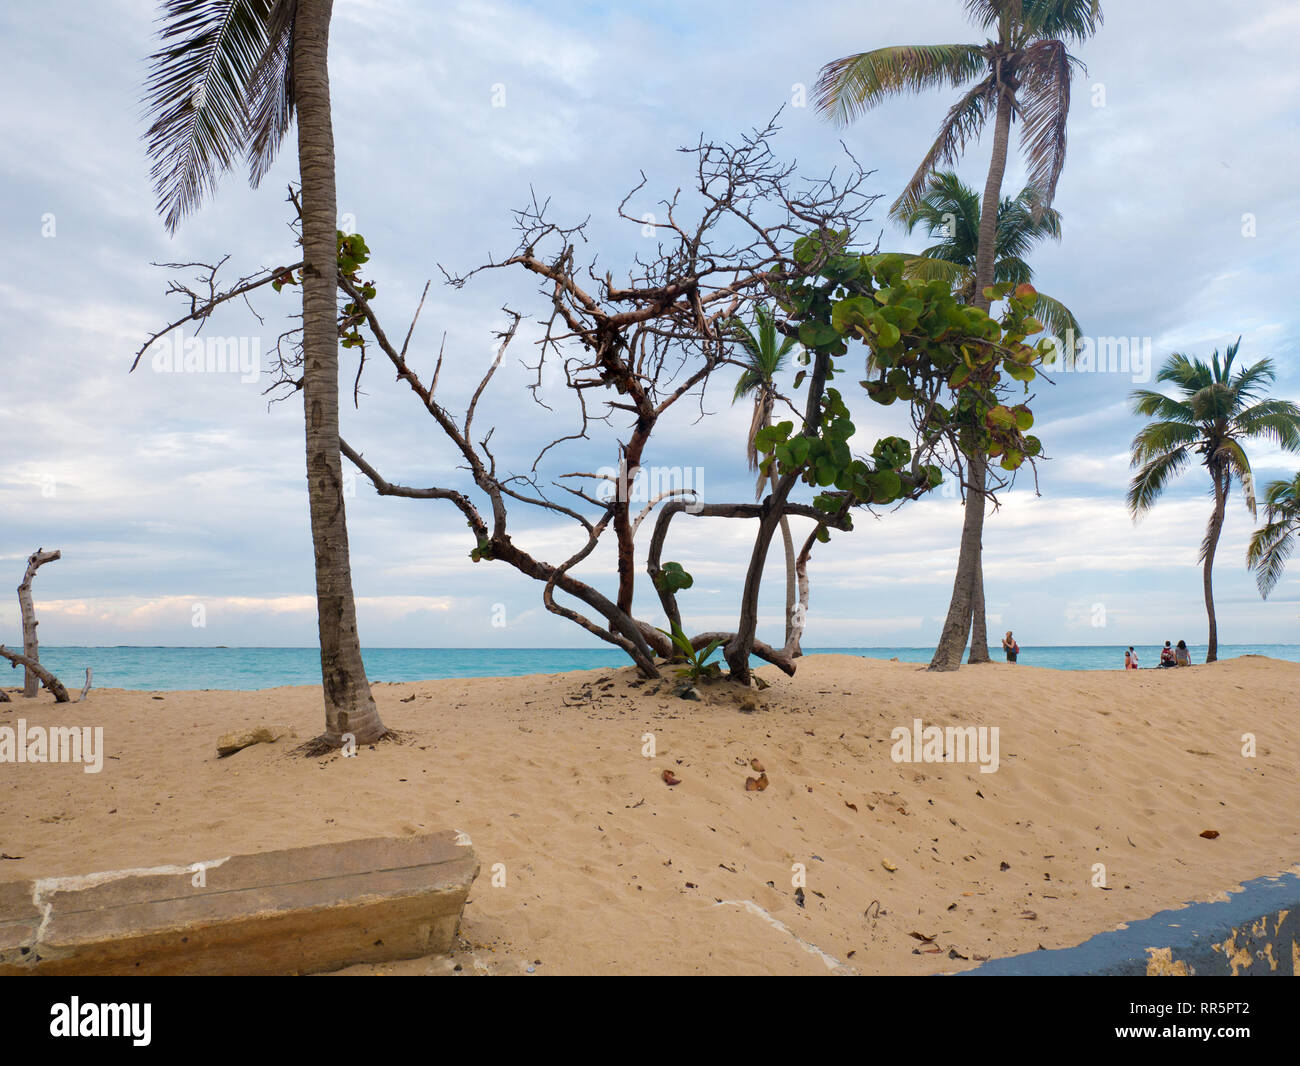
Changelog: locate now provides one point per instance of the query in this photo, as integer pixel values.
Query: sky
(179, 500)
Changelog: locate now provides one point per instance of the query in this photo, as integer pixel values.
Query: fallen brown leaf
(756, 765)
(851, 806)
(756, 784)
(670, 778)
(1209, 834)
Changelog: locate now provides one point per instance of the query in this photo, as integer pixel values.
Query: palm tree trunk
(986, 250)
(1211, 544)
(957, 626)
(979, 638)
(349, 706)
(968, 586)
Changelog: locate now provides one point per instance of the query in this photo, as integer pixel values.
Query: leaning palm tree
(227, 82)
(950, 211)
(1273, 542)
(765, 357)
(1214, 412)
(1022, 74)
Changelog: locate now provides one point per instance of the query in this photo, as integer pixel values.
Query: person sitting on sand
(1167, 657)
(1010, 646)
(1182, 657)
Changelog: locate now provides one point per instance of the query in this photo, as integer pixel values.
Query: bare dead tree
(31, 647)
(627, 353)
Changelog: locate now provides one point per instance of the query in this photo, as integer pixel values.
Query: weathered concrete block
(301, 910)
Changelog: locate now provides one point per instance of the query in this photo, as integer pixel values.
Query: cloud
(168, 489)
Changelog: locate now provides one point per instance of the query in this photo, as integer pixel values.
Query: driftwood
(52, 683)
(35, 561)
(86, 689)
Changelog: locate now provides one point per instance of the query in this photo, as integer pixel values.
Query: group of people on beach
(1169, 656)
(1178, 656)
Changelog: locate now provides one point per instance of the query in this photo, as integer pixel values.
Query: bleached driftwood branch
(52, 683)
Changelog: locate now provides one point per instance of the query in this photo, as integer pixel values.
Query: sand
(602, 868)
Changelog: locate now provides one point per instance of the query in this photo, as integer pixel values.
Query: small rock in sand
(243, 738)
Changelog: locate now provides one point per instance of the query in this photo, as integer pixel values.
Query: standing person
(1182, 657)
(1167, 657)
(1130, 659)
(1010, 646)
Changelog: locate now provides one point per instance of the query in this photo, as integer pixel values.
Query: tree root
(325, 744)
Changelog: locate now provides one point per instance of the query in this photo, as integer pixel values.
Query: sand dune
(607, 869)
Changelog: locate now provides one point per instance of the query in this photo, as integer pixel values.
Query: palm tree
(765, 358)
(228, 80)
(1271, 545)
(950, 211)
(1214, 414)
(1024, 73)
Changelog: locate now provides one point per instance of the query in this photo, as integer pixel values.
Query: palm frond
(1057, 319)
(1252, 380)
(1161, 438)
(272, 92)
(1011, 269)
(963, 122)
(745, 386)
(1273, 420)
(949, 208)
(1023, 222)
(1147, 402)
(197, 95)
(1045, 69)
(929, 267)
(849, 86)
(1282, 499)
(1150, 481)
(1267, 554)
(984, 13)
(1234, 459)
(1189, 374)
(1071, 20)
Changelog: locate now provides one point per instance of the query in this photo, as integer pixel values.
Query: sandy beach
(602, 868)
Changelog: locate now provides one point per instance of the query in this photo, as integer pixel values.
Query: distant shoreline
(178, 669)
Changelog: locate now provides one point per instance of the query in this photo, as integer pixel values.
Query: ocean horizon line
(191, 667)
(599, 647)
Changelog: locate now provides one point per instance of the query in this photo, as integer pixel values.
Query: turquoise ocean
(170, 669)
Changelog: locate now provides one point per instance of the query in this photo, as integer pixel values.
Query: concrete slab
(301, 910)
